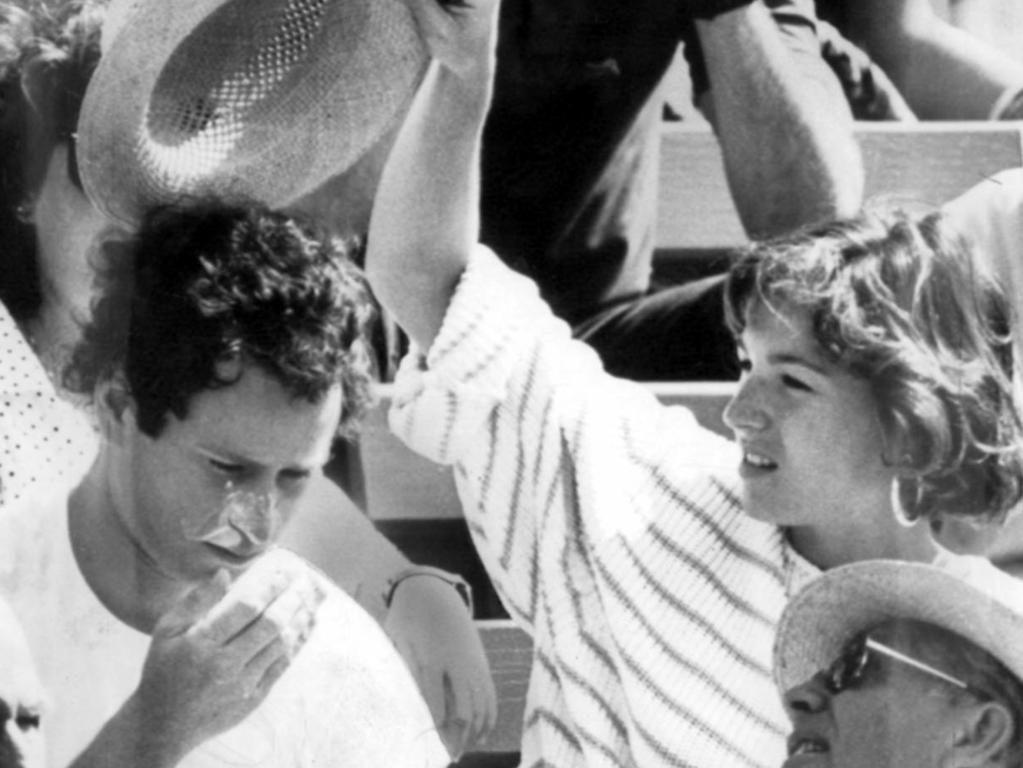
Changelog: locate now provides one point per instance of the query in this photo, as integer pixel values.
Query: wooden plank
(400, 484)
(925, 163)
(510, 653)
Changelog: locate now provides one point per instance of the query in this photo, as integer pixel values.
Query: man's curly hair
(902, 303)
(48, 52)
(204, 285)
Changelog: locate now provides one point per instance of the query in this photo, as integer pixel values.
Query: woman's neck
(828, 547)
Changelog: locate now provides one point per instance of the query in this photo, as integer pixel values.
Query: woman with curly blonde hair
(648, 557)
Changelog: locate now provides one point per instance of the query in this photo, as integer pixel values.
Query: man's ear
(115, 409)
(979, 734)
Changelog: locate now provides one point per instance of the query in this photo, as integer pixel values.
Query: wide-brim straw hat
(964, 594)
(242, 99)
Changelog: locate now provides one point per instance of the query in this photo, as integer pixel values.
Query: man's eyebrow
(225, 454)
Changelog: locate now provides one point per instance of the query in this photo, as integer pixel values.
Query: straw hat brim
(846, 600)
(242, 99)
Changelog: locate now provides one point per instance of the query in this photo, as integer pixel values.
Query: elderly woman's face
(881, 703)
(895, 724)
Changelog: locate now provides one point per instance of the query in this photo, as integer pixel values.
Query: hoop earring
(904, 517)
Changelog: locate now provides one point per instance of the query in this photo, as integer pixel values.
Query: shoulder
(996, 202)
(990, 216)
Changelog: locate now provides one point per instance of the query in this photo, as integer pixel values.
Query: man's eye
(226, 467)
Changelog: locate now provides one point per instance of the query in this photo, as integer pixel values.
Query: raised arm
(425, 218)
(785, 130)
(944, 72)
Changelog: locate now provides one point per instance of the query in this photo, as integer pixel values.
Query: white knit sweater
(611, 527)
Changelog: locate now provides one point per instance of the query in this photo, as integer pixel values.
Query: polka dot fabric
(41, 435)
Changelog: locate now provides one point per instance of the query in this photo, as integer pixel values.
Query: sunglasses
(847, 672)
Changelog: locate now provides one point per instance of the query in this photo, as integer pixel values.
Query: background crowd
(226, 222)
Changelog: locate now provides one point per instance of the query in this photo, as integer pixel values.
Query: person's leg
(674, 334)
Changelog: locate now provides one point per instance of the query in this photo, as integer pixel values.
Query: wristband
(708, 9)
(460, 585)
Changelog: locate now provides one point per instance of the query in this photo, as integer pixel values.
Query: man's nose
(255, 515)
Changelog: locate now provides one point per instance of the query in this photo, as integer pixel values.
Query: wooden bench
(925, 164)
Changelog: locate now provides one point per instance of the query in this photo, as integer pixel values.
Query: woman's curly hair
(204, 284)
(48, 52)
(902, 303)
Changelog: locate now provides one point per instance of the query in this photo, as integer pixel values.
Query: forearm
(425, 218)
(944, 73)
(785, 130)
(335, 536)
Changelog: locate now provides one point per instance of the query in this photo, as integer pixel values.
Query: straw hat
(245, 99)
(966, 595)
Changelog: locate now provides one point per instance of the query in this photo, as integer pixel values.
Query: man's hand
(216, 655)
(434, 633)
(871, 95)
(459, 34)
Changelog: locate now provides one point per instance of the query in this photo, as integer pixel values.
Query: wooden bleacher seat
(923, 164)
(926, 163)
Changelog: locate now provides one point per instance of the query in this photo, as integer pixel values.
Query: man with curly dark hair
(49, 233)
(225, 353)
(201, 292)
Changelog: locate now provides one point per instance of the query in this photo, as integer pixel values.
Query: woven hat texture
(244, 99)
(964, 594)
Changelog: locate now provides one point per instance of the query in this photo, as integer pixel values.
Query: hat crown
(961, 593)
(242, 99)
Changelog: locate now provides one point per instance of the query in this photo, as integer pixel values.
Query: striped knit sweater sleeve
(611, 527)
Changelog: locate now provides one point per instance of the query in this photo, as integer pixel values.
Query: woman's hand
(431, 628)
(459, 34)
